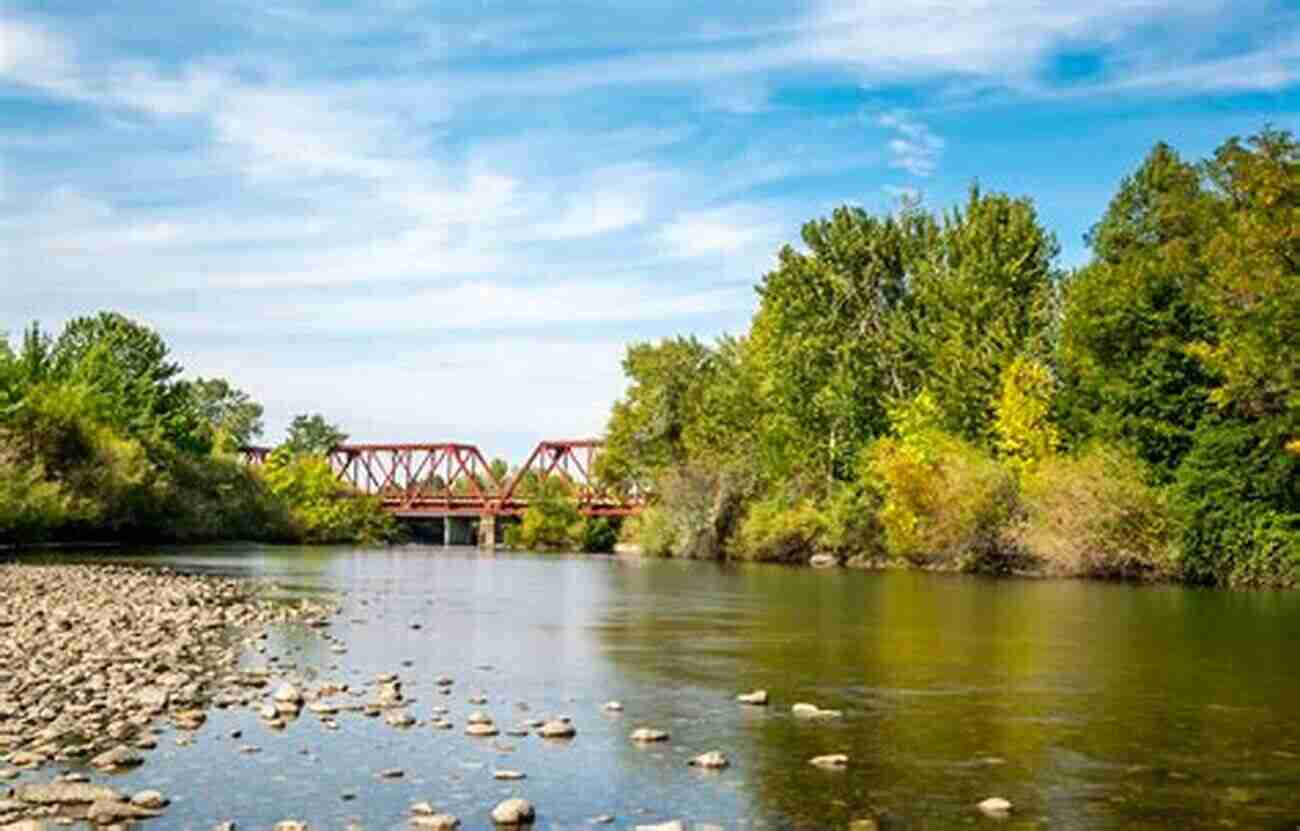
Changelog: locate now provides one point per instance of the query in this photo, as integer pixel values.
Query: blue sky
(439, 220)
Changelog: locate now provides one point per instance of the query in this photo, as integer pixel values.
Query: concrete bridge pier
(487, 531)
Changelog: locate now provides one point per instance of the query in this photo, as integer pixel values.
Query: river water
(1089, 706)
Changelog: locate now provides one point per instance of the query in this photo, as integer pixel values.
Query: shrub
(1094, 515)
(695, 512)
(942, 501)
(321, 508)
(598, 535)
(1237, 495)
(552, 521)
(778, 529)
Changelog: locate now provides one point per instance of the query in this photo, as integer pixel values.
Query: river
(1087, 705)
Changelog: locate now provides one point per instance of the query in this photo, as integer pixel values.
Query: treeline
(933, 389)
(102, 440)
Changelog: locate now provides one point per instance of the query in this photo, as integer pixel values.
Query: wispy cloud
(914, 148)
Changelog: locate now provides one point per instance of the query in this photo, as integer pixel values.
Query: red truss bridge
(449, 479)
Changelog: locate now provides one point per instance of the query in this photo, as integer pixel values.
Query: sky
(444, 221)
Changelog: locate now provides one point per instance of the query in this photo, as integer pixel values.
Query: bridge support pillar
(487, 531)
(446, 530)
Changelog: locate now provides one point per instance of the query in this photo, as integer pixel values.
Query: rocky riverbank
(96, 662)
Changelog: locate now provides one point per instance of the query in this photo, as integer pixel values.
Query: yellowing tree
(1025, 432)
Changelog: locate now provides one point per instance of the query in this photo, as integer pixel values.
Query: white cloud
(914, 148)
(722, 231)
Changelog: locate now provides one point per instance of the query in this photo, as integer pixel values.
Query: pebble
(514, 811)
(644, 735)
(757, 698)
(812, 711)
(557, 729)
(614, 706)
(995, 806)
(508, 775)
(713, 760)
(392, 773)
(830, 761)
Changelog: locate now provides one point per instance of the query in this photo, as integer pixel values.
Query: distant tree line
(933, 389)
(101, 439)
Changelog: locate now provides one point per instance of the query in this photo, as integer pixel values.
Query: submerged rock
(757, 698)
(646, 735)
(830, 761)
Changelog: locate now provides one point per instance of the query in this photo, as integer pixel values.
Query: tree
(1253, 280)
(984, 293)
(127, 366)
(1131, 315)
(312, 435)
(234, 417)
(823, 343)
(1026, 434)
(647, 427)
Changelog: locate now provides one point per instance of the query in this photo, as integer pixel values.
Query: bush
(942, 501)
(598, 536)
(778, 529)
(1094, 515)
(321, 508)
(1237, 495)
(552, 521)
(696, 511)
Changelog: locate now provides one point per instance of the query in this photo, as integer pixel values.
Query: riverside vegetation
(933, 390)
(101, 440)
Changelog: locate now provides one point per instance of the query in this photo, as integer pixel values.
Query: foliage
(234, 418)
(599, 535)
(1025, 432)
(321, 508)
(696, 511)
(775, 529)
(1238, 499)
(313, 435)
(943, 501)
(1093, 514)
(100, 440)
(551, 521)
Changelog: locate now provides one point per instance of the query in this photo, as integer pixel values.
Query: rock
(481, 730)
(601, 819)
(713, 760)
(614, 706)
(149, 799)
(106, 812)
(7, 774)
(444, 681)
(812, 711)
(228, 825)
(422, 809)
(758, 698)
(66, 793)
(514, 811)
(478, 717)
(674, 825)
(118, 758)
(290, 825)
(392, 773)
(477, 700)
(822, 561)
(995, 806)
(557, 729)
(438, 822)
(645, 735)
(287, 694)
(508, 775)
(399, 718)
(830, 761)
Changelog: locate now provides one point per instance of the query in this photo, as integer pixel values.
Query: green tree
(984, 293)
(824, 341)
(313, 435)
(647, 427)
(127, 366)
(234, 417)
(1131, 315)
(1253, 283)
